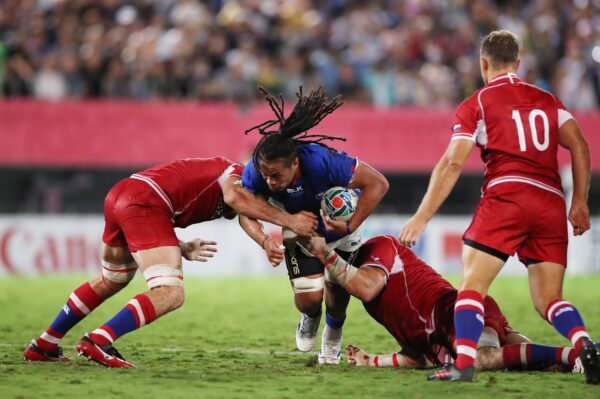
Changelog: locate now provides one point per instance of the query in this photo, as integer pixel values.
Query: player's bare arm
(572, 139)
(443, 179)
(198, 249)
(273, 248)
(253, 206)
(360, 358)
(373, 186)
(362, 283)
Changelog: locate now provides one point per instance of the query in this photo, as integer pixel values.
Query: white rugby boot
(306, 332)
(331, 346)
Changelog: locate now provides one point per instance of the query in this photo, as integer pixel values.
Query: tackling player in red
(518, 128)
(141, 213)
(416, 305)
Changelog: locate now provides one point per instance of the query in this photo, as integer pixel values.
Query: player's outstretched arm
(358, 357)
(362, 283)
(443, 179)
(571, 138)
(373, 186)
(273, 249)
(245, 203)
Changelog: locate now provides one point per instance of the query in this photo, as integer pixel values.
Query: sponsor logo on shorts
(294, 262)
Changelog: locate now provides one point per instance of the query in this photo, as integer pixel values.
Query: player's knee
(116, 276)
(309, 303)
(105, 288)
(164, 276)
(176, 297)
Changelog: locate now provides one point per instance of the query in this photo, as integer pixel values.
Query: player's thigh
(479, 269)
(116, 255)
(545, 283)
(497, 224)
(548, 239)
(147, 228)
(299, 264)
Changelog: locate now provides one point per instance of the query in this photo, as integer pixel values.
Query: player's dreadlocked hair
(281, 142)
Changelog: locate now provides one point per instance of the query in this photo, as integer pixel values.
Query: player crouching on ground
(141, 213)
(416, 305)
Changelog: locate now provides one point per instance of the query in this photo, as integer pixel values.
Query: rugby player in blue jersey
(293, 169)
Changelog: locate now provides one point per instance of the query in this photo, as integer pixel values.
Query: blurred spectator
(386, 52)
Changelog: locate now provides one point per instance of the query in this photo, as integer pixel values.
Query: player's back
(406, 303)
(517, 129)
(191, 187)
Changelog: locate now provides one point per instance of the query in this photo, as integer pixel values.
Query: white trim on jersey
(563, 117)
(376, 266)
(463, 136)
(527, 180)
(508, 75)
(227, 174)
(156, 188)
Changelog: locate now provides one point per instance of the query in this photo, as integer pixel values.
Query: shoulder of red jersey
(563, 115)
(465, 123)
(381, 252)
(232, 169)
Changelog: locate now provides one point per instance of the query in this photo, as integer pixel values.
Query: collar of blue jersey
(510, 76)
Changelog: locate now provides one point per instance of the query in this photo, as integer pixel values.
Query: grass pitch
(235, 338)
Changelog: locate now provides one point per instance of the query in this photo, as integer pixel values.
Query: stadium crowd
(386, 52)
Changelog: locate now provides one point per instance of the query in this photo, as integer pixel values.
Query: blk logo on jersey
(456, 128)
(293, 190)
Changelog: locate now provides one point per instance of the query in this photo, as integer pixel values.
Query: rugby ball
(339, 203)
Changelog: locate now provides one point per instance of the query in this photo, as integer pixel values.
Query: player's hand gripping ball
(339, 203)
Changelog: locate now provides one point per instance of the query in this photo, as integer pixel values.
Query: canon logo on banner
(29, 246)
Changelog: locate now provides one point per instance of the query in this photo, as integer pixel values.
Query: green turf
(235, 338)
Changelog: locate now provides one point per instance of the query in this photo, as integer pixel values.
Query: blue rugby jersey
(321, 169)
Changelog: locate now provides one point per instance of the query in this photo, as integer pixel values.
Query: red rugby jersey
(191, 188)
(516, 126)
(406, 305)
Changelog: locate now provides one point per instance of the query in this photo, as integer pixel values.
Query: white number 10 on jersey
(535, 113)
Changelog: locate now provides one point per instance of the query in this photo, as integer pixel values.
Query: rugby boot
(33, 353)
(453, 374)
(105, 355)
(331, 349)
(306, 332)
(590, 360)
